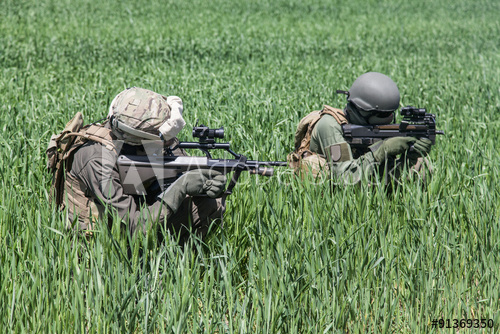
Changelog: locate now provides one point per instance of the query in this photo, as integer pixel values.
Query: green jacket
(354, 167)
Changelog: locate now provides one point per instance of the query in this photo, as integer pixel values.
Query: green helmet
(375, 92)
(138, 114)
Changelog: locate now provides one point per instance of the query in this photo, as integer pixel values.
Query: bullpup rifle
(153, 173)
(416, 123)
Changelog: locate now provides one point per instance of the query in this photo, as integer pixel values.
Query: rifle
(416, 123)
(153, 173)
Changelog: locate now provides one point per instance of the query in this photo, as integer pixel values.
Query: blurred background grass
(292, 257)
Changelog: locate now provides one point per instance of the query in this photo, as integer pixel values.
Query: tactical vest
(302, 158)
(68, 191)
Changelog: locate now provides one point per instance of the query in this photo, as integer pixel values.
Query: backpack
(62, 146)
(302, 139)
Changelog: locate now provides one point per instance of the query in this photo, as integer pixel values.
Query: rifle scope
(204, 132)
(413, 112)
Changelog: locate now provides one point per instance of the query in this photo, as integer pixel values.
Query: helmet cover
(137, 114)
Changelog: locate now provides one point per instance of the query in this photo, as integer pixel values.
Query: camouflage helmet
(138, 114)
(374, 92)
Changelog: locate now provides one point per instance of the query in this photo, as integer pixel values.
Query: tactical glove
(392, 147)
(193, 183)
(423, 146)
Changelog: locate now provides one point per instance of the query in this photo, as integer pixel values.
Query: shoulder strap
(338, 114)
(304, 129)
(97, 133)
(304, 132)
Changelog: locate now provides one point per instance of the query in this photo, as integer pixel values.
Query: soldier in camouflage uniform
(320, 146)
(92, 188)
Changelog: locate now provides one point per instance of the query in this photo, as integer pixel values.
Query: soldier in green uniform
(320, 145)
(91, 188)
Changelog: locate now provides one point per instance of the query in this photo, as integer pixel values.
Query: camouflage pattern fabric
(137, 114)
(314, 164)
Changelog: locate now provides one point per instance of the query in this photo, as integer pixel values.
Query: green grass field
(292, 257)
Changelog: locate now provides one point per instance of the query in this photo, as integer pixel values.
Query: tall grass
(293, 256)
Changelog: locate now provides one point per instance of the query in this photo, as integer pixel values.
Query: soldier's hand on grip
(423, 146)
(392, 147)
(193, 183)
(204, 181)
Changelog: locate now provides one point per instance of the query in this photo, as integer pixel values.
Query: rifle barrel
(270, 163)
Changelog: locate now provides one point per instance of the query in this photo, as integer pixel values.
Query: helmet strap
(134, 132)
